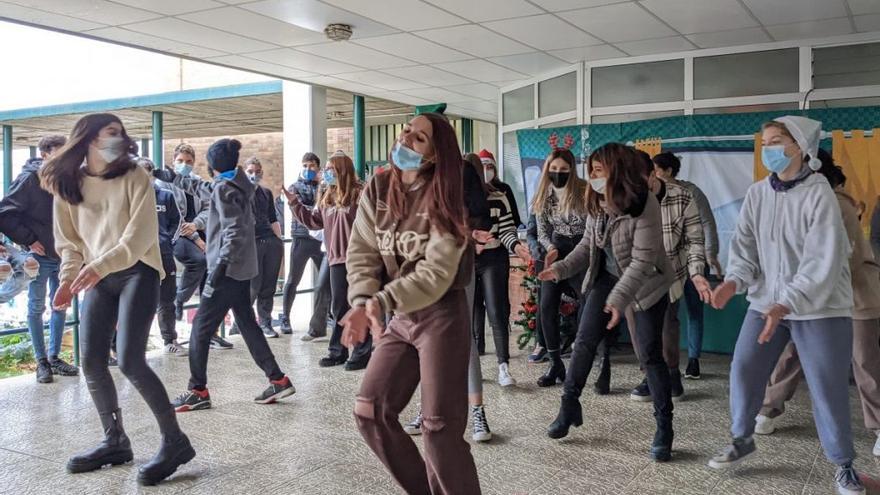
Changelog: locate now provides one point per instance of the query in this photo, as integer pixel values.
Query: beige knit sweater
(112, 229)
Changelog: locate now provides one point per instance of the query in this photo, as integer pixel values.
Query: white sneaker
(176, 349)
(480, 425)
(847, 480)
(765, 425)
(414, 427)
(504, 378)
(876, 450)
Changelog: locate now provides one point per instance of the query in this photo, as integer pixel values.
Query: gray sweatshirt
(230, 229)
(791, 248)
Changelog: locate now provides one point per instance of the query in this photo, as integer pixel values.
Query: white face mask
(598, 184)
(490, 174)
(111, 148)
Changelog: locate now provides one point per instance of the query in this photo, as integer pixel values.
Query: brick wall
(340, 139)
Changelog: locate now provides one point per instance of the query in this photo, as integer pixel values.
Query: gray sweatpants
(825, 349)
(475, 371)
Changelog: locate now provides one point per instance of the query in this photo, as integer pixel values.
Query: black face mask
(559, 179)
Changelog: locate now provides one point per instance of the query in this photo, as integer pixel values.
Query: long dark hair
(473, 160)
(625, 184)
(443, 178)
(62, 175)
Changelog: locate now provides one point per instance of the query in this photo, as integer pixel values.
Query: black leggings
(270, 257)
(491, 289)
(194, 268)
(649, 331)
(125, 300)
(302, 249)
(551, 296)
(339, 306)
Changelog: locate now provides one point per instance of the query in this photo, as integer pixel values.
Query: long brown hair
(346, 191)
(574, 190)
(443, 178)
(625, 182)
(473, 160)
(62, 175)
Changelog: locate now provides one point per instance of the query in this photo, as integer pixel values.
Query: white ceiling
(425, 51)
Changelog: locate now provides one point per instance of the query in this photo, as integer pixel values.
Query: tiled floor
(309, 445)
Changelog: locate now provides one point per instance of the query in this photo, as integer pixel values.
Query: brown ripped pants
(431, 346)
(866, 371)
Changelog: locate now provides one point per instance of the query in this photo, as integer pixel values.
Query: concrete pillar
(304, 120)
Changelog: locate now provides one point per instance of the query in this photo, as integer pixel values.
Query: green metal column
(467, 135)
(360, 158)
(7, 157)
(157, 153)
(145, 148)
(33, 151)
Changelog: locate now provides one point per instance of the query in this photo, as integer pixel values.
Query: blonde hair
(573, 199)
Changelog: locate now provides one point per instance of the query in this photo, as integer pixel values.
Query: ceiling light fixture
(338, 32)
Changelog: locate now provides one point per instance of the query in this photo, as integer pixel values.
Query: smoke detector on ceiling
(338, 32)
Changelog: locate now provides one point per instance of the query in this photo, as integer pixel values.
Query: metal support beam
(467, 135)
(33, 151)
(360, 156)
(145, 148)
(7, 157)
(157, 152)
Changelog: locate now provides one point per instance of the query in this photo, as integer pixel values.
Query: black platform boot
(114, 450)
(570, 414)
(555, 372)
(603, 382)
(661, 449)
(173, 453)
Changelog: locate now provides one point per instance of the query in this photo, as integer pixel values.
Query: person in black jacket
(26, 218)
(490, 169)
(169, 221)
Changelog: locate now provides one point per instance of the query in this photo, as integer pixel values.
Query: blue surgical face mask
(774, 159)
(182, 168)
(228, 175)
(405, 158)
(309, 175)
(329, 178)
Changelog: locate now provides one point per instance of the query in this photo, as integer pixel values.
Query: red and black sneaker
(192, 400)
(278, 389)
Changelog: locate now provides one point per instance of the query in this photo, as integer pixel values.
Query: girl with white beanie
(789, 253)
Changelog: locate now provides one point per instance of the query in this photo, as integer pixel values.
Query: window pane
(557, 95)
(842, 66)
(748, 108)
(561, 123)
(846, 102)
(519, 105)
(746, 74)
(638, 83)
(632, 117)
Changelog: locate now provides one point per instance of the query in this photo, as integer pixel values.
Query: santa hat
(806, 134)
(486, 157)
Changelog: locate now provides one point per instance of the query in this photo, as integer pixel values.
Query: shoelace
(847, 477)
(480, 424)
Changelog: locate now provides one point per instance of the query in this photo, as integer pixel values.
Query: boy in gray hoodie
(232, 263)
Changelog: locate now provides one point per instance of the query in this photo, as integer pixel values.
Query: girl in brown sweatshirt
(405, 258)
(335, 212)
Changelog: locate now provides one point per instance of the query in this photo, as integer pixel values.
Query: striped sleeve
(505, 225)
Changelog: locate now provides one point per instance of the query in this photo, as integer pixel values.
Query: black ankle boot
(603, 382)
(555, 372)
(570, 414)
(661, 449)
(172, 454)
(114, 450)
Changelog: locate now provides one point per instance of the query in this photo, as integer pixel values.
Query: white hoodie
(791, 248)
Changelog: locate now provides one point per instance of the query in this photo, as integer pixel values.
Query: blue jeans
(16, 283)
(694, 307)
(37, 306)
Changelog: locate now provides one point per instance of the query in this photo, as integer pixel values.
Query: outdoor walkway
(309, 445)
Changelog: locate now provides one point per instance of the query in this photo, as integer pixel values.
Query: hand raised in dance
(86, 279)
(722, 294)
(615, 316)
(355, 325)
(292, 198)
(523, 252)
(548, 274)
(63, 297)
(703, 288)
(771, 321)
